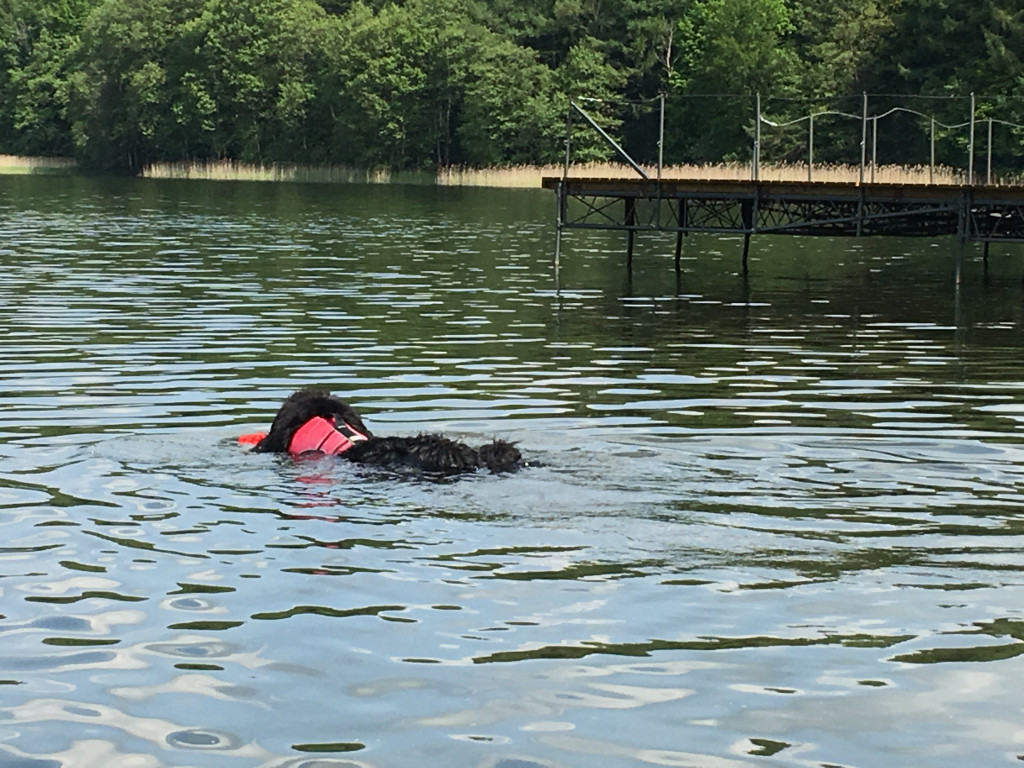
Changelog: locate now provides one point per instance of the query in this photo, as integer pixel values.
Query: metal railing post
(863, 136)
(931, 165)
(757, 138)
(988, 168)
(661, 136)
(810, 149)
(874, 147)
(970, 159)
(568, 140)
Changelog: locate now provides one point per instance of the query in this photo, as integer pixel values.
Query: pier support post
(962, 230)
(747, 214)
(631, 229)
(559, 218)
(682, 216)
(558, 246)
(860, 211)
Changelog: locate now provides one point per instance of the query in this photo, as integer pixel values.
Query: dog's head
(500, 456)
(298, 409)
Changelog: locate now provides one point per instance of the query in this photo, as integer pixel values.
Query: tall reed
(531, 175)
(524, 176)
(19, 164)
(231, 170)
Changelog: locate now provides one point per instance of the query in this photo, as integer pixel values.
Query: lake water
(769, 521)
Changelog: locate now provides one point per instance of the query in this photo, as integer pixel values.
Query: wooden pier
(978, 213)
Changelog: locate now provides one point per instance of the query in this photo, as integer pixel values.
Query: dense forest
(418, 84)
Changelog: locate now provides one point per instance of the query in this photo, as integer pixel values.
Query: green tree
(511, 113)
(422, 83)
(426, 84)
(36, 42)
(944, 46)
(174, 79)
(261, 61)
(949, 49)
(587, 77)
(136, 89)
(376, 65)
(838, 44)
(728, 50)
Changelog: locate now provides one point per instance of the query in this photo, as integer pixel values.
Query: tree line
(418, 84)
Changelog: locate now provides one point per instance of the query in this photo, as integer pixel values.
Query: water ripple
(760, 515)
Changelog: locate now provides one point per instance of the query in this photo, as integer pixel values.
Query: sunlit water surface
(768, 521)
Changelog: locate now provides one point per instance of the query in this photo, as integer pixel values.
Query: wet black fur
(428, 453)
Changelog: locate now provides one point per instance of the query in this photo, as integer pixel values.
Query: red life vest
(323, 435)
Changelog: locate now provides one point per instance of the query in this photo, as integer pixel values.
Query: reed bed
(520, 176)
(230, 170)
(530, 176)
(19, 164)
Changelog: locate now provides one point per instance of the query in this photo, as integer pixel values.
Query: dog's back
(435, 454)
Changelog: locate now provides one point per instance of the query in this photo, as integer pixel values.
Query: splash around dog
(314, 421)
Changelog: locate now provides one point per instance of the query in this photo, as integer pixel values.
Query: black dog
(315, 420)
